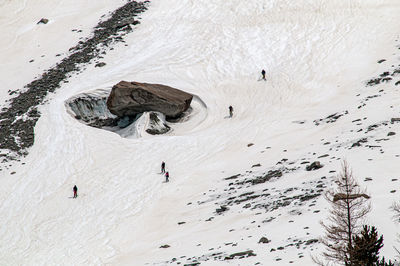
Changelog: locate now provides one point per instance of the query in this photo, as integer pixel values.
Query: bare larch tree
(348, 206)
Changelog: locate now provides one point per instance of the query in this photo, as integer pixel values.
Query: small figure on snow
(230, 111)
(167, 177)
(162, 167)
(263, 74)
(75, 189)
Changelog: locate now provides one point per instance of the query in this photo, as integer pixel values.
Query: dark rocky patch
(383, 77)
(262, 179)
(358, 143)
(330, 118)
(240, 255)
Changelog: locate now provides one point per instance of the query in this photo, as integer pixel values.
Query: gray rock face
(156, 125)
(90, 108)
(131, 98)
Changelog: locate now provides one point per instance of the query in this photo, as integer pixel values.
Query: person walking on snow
(162, 167)
(230, 111)
(263, 74)
(166, 177)
(75, 189)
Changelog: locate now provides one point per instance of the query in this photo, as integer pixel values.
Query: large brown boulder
(131, 98)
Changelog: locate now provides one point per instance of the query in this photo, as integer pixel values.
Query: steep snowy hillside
(232, 180)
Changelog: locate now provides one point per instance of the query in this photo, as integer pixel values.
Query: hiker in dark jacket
(162, 167)
(75, 189)
(166, 177)
(230, 111)
(263, 74)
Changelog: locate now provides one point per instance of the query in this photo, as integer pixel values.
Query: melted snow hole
(90, 108)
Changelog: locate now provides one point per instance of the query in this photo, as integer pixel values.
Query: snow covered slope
(318, 55)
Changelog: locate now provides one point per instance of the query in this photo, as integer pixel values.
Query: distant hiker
(162, 167)
(230, 111)
(75, 191)
(263, 74)
(167, 177)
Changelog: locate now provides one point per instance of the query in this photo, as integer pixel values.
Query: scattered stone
(381, 61)
(179, 223)
(101, 64)
(264, 240)
(311, 241)
(392, 191)
(256, 165)
(165, 246)
(314, 166)
(395, 119)
(391, 133)
(222, 209)
(43, 21)
(232, 177)
(250, 144)
(12, 173)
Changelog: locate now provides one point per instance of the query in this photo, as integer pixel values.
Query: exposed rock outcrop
(157, 125)
(131, 98)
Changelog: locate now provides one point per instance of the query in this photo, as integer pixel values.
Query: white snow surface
(318, 55)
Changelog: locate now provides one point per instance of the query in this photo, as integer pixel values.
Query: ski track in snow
(317, 54)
